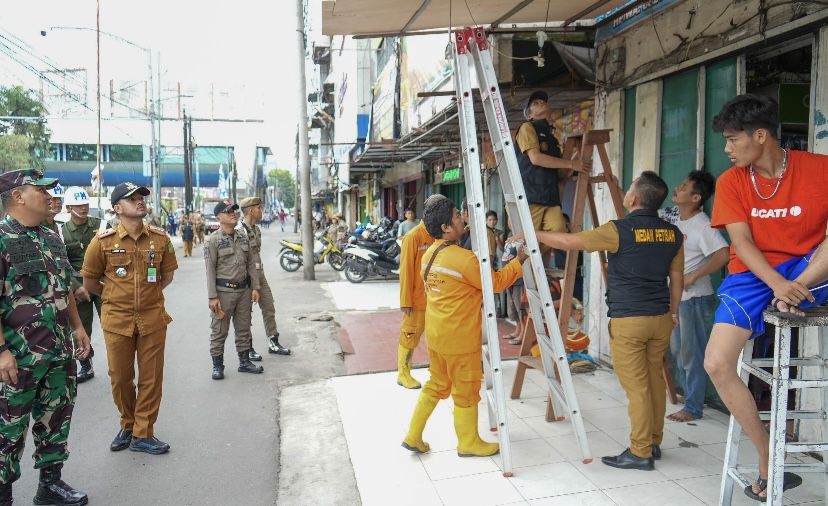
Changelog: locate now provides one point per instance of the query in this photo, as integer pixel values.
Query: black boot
(245, 365)
(6, 494)
(254, 357)
(274, 346)
(52, 490)
(218, 367)
(86, 372)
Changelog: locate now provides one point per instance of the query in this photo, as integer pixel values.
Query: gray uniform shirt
(229, 256)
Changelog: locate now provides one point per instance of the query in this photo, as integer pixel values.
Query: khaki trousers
(267, 305)
(138, 408)
(412, 328)
(238, 307)
(638, 345)
(455, 375)
(188, 248)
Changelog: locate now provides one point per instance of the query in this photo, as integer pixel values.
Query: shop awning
(363, 17)
(438, 137)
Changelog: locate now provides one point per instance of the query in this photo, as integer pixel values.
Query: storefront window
(81, 152)
(126, 153)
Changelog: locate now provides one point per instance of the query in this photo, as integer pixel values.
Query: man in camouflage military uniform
(252, 209)
(77, 234)
(38, 316)
(232, 287)
(136, 262)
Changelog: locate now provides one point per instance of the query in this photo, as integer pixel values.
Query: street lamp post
(153, 107)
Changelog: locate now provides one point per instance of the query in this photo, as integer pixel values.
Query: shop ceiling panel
(359, 17)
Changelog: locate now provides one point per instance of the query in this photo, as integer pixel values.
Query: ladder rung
(794, 362)
(797, 414)
(534, 363)
(742, 479)
(806, 447)
(814, 383)
(812, 467)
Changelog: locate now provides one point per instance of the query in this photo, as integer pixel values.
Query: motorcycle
(291, 254)
(382, 260)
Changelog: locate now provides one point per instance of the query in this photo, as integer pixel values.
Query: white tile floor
(546, 458)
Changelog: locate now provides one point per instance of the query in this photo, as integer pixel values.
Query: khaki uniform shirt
(130, 299)
(230, 257)
(254, 236)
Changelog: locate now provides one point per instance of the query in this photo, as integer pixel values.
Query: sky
(243, 43)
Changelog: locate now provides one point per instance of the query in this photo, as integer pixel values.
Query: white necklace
(778, 179)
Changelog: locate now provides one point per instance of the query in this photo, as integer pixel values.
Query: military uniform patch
(106, 233)
(157, 230)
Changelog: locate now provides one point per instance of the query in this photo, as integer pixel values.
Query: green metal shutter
(719, 88)
(679, 119)
(629, 136)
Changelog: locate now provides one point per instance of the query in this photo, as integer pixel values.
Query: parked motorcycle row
(372, 251)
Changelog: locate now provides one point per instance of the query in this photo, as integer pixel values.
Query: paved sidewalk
(548, 468)
(369, 326)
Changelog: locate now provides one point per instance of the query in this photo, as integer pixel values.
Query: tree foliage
(14, 152)
(285, 185)
(20, 102)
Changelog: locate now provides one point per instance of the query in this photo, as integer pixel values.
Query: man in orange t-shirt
(773, 205)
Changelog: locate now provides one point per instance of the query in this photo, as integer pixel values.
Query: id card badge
(152, 273)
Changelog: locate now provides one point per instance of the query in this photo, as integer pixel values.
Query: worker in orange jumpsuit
(412, 301)
(453, 325)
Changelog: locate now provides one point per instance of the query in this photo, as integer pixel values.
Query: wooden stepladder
(581, 147)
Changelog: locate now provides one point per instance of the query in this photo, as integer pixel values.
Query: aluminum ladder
(472, 44)
(780, 382)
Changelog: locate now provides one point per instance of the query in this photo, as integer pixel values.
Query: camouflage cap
(16, 178)
(250, 202)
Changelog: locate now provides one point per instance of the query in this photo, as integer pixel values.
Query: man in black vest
(541, 166)
(642, 252)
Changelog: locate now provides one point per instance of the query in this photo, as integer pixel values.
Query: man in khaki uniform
(136, 262)
(252, 209)
(643, 252)
(232, 287)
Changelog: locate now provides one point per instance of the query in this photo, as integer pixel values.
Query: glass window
(126, 153)
(81, 152)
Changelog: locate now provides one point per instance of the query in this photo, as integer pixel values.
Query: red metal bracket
(481, 37)
(461, 40)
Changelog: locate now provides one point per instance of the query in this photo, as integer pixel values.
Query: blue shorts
(743, 297)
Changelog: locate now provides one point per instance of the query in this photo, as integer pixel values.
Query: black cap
(124, 190)
(223, 207)
(537, 94)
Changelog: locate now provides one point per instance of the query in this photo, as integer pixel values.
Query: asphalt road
(224, 434)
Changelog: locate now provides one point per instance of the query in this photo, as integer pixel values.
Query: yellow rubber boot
(469, 443)
(404, 377)
(414, 439)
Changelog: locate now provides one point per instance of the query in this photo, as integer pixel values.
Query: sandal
(790, 480)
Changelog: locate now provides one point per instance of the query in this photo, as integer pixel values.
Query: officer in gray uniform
(232, 287)
(252, 209)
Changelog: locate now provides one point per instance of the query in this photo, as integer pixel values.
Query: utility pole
(99, 165)
(304, 155)
(233, 174)
(188, 164)
(296, 197)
